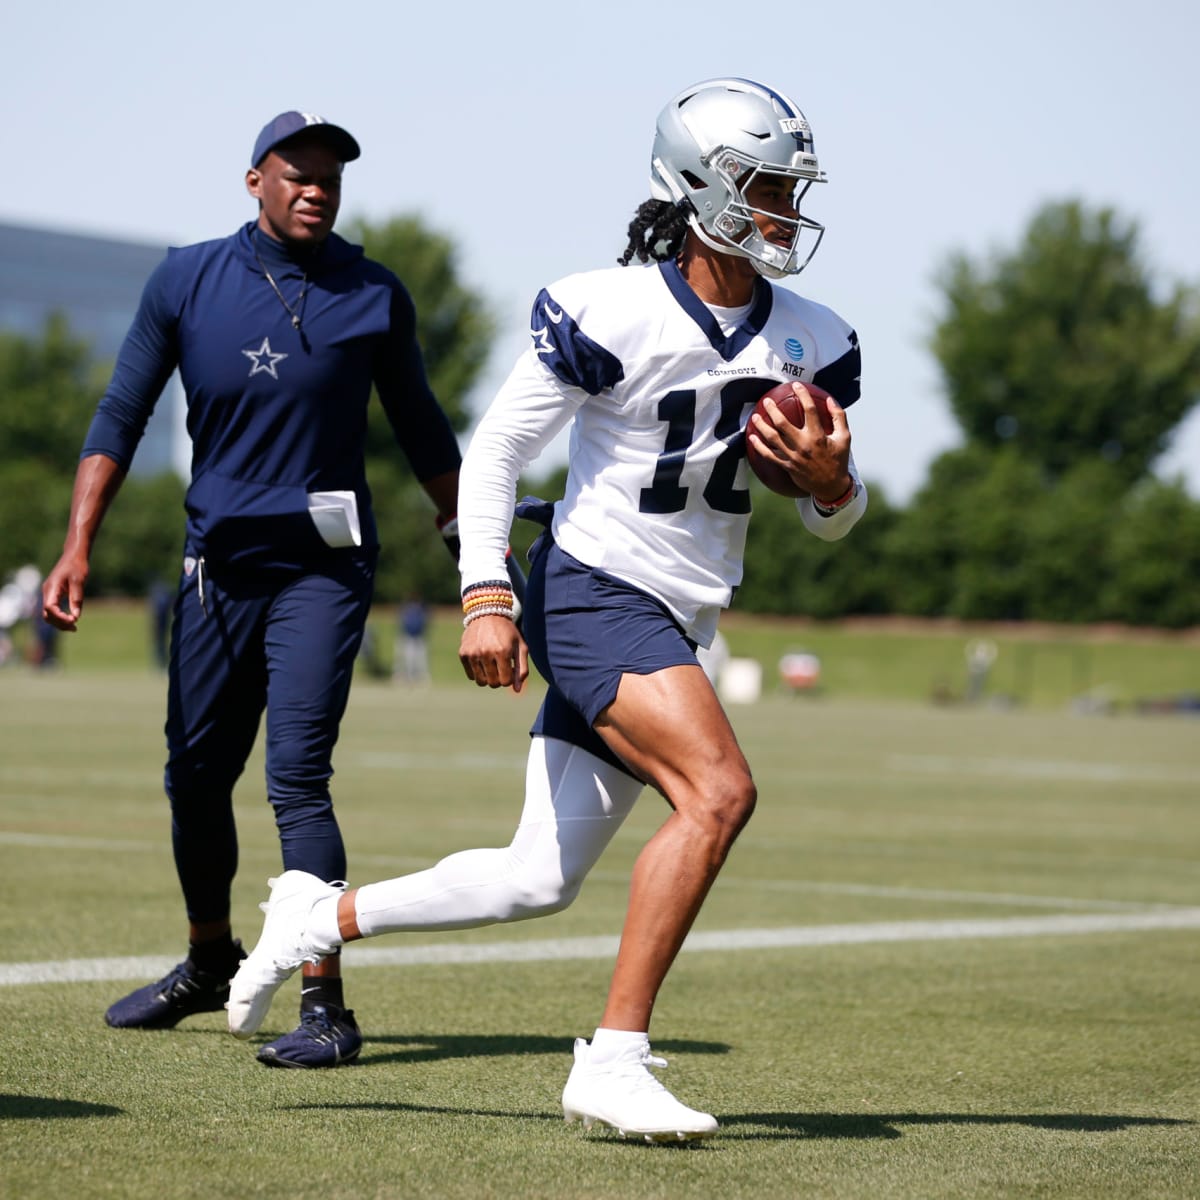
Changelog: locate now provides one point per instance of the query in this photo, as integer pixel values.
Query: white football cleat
(282, 948)
(623, 1094)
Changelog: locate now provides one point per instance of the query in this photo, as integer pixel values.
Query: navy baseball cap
(289, 124)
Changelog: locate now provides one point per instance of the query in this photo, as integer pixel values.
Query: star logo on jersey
(541, 341)
(263, 359)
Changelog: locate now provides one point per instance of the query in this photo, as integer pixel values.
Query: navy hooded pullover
(274, 412)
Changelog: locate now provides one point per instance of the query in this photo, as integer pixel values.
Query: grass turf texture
(1048, 1066)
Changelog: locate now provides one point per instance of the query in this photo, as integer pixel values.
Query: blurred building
(96, 284)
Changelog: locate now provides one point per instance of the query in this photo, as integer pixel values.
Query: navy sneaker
(327, 1036)
(185, 991)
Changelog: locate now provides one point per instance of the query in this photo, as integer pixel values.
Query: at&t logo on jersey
(794, 349)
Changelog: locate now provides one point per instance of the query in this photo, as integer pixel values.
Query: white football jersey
(657, 489)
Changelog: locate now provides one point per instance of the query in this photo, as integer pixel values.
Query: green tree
(1063, 348)
(991, 571)
(1154, 559)
(924, 544)
(48, 387)
(1068, 562)
(48, 392)
(1068, 370)
(34, 500)
(454, 325)
(961, 548)
(789, 570)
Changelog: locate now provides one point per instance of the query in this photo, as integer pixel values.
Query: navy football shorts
(585, 629)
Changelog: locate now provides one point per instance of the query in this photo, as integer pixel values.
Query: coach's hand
(62, 592)
(494, 654)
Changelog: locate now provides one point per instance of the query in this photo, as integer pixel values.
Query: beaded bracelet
(828, 509)
(492, 598)
(488, 610)
(489, 594)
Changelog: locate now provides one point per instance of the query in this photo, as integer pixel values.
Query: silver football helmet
(711, 142)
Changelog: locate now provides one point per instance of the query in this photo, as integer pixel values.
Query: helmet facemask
(733, 229)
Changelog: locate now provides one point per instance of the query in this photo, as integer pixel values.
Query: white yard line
(86, 970)
(54, 841)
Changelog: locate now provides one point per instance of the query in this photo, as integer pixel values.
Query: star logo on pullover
(263, 359)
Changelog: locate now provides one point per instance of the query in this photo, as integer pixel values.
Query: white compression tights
(574, 803)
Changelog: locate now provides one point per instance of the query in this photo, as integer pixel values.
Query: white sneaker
(282, 948)
(623, 1094)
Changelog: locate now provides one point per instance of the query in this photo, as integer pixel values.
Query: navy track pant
(283, 643)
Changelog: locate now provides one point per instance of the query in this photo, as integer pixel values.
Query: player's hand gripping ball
(773, 476)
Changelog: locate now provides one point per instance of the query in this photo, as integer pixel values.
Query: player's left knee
(728, 803)
(741, 803)
(532, 896)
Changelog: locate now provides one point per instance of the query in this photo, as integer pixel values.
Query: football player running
(658, 367)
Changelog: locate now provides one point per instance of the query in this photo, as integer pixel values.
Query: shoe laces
(300, 953)
(181, 981)
(317, 1025)
(634, 1067)
(185, 978)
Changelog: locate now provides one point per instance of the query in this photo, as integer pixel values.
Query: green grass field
(873, 660)
(953, 955)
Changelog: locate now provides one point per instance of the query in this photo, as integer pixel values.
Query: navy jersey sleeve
(841, 377)
(573, 356)
(146, 359)
(421, 426)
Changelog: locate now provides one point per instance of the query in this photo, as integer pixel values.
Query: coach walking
(279, 332)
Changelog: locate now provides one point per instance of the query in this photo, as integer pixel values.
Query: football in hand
(773, 476)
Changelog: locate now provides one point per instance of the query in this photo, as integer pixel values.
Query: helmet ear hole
(697, 185)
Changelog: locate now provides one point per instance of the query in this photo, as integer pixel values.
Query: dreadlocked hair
(656, 231)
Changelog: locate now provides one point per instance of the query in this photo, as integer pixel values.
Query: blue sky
(523, 132)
